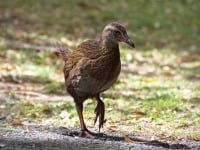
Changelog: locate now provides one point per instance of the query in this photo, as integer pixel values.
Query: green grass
(54, 87)
(161, 99)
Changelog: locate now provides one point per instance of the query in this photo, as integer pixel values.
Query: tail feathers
(64, 52)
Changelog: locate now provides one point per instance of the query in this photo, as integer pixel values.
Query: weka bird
(92, 68)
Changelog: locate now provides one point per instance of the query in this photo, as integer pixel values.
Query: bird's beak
(127, 40)
(130, 42)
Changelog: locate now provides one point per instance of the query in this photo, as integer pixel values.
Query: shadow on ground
(68, 139)
(107, 137)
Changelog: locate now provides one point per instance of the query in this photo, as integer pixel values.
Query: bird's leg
(84, 131)
(99, 111)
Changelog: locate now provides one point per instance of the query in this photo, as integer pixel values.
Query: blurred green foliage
(152, 23)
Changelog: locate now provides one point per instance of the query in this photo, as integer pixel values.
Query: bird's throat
(110, 45)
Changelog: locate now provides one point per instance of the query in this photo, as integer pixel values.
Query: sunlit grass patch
(37, 112)
(27, 56)
(55, 87)
(31, 66)
(162, 103)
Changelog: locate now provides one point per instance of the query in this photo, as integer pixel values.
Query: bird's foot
(88, 134)
(99, 111)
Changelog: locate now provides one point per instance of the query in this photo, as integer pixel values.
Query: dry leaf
(16, 123)
(111, 126)
(27, 104)
(168, 73)
(127, 139)
(189, 58)
(8, 67)
(47, 111)
(139, 113)
(149, 80)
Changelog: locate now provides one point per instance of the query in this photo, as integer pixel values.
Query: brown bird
(92, 68)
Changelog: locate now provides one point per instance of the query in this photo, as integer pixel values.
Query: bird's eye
(117, 32)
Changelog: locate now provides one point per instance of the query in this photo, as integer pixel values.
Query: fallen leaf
(148, 80)
(27, 104)
(189, 58)
(127, 139)
(111, 126)
(168, 73)
(139, 113)
(47, 110)
(16, 123)
(8, 67)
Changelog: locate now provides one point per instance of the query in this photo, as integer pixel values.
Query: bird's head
(115, 32)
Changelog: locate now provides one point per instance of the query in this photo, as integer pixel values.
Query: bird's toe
(87, 134)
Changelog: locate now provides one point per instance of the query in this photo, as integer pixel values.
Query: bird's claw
(87, 134)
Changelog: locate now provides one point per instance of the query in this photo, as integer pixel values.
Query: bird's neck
(109, 45)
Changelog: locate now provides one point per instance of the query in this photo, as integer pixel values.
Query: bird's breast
(92, 76)
(106, 70)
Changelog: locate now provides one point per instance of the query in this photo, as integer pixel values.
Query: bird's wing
(81, 56)
(88, 48)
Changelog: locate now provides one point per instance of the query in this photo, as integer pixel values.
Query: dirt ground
(40, 137)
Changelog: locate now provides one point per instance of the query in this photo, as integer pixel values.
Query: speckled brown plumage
(92, 68)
